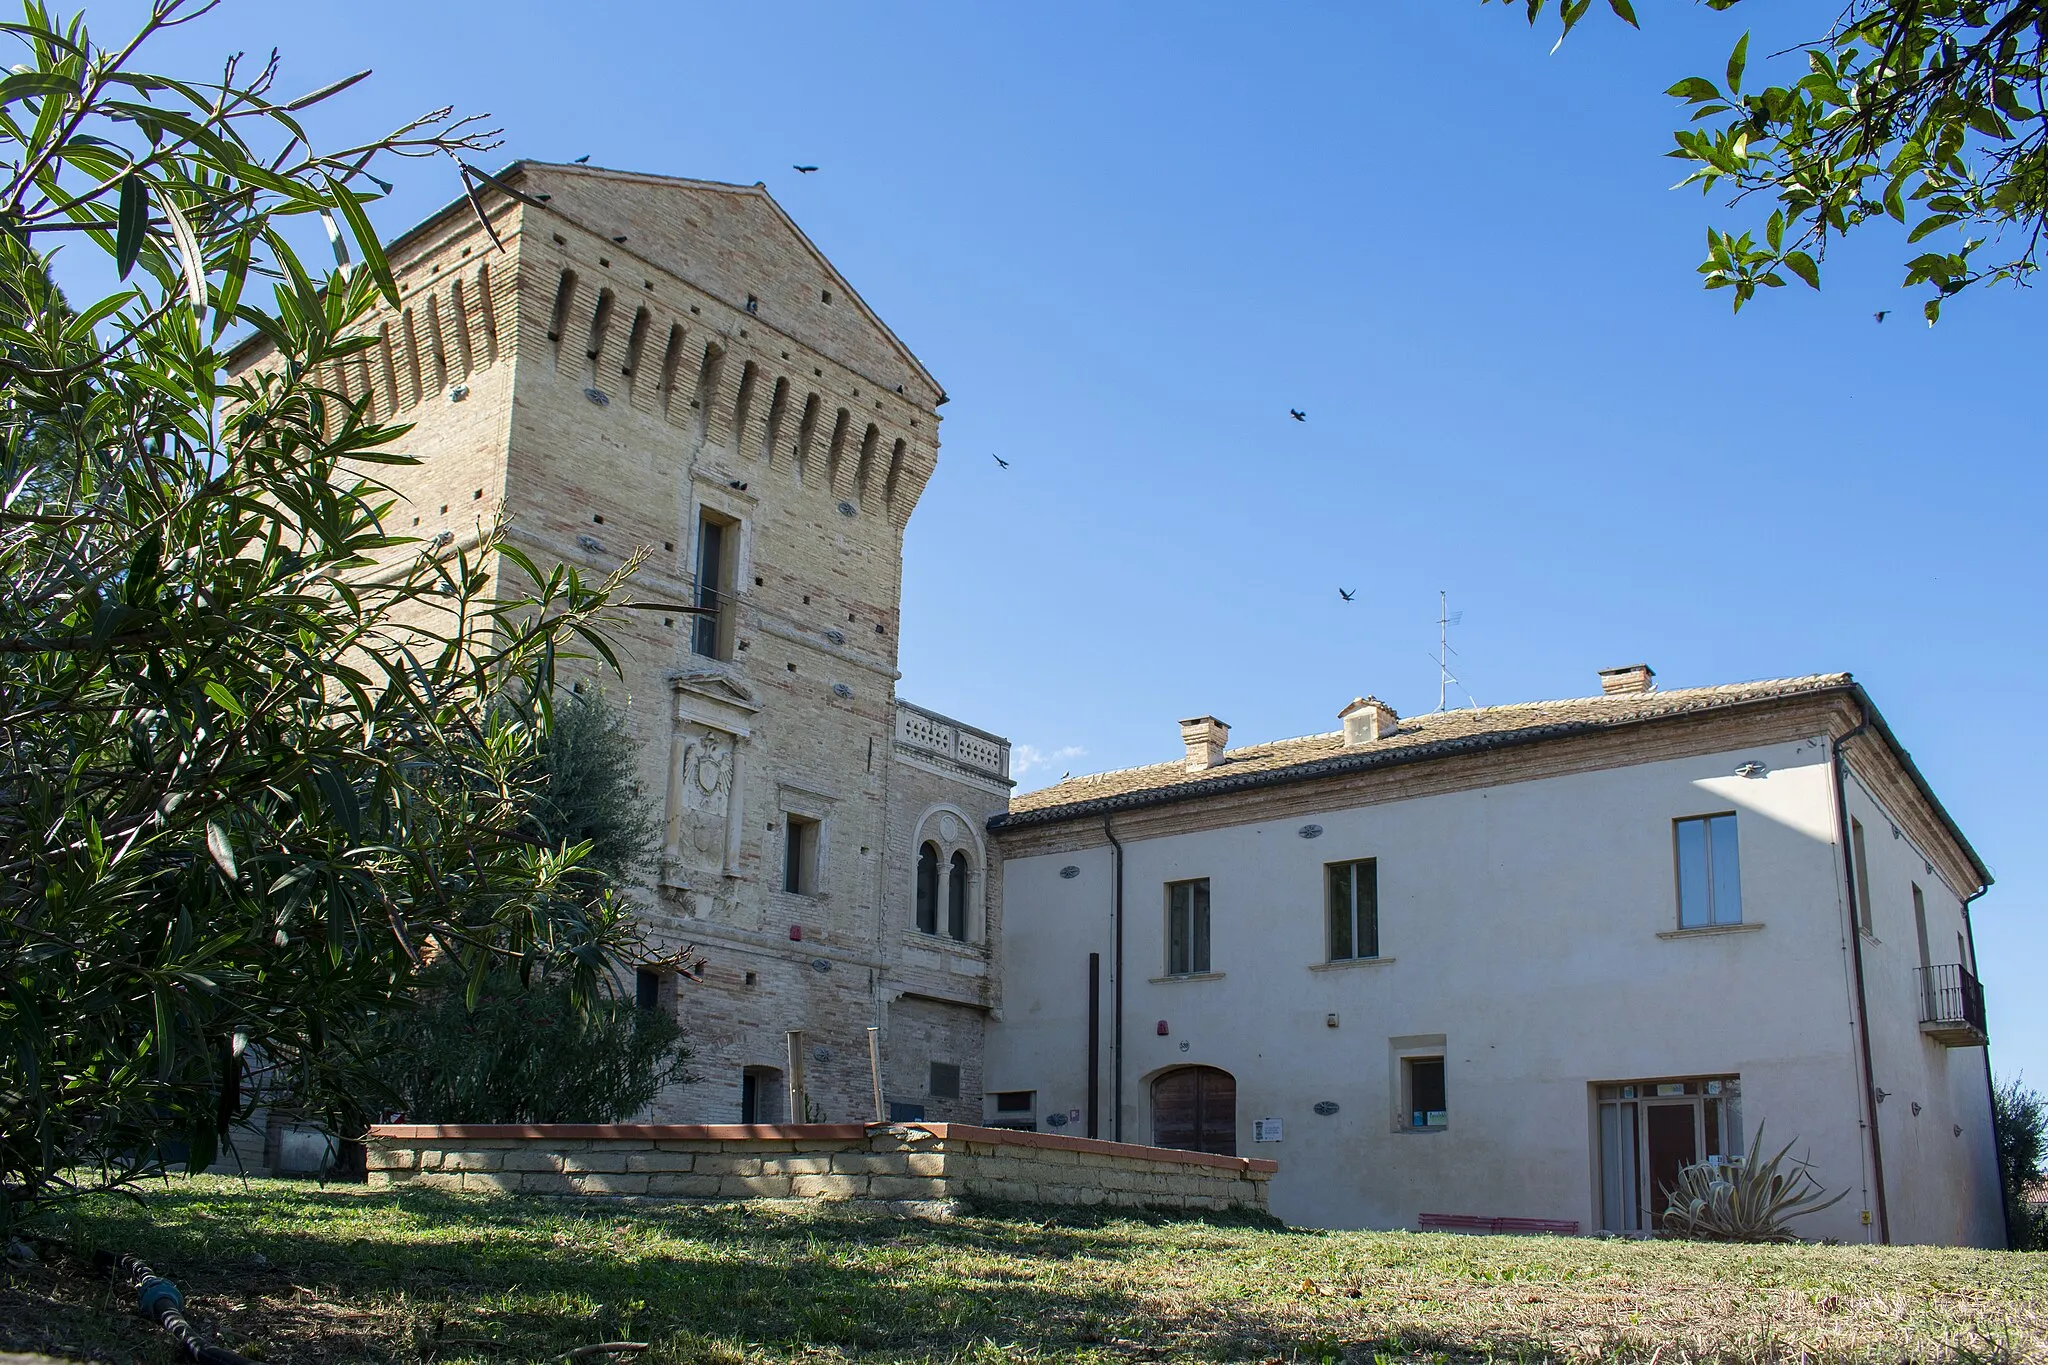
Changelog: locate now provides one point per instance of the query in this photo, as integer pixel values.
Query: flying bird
(583, 160)
(1881, 316)
(1346, 593)
(803, 170)
(1297, 414)
(999, 459)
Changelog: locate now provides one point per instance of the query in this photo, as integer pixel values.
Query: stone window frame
(967, 842)
(817, 808)
(735, 510)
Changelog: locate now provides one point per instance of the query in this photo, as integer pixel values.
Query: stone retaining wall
(927, 1162)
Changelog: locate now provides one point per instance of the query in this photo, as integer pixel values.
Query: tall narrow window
(647, 989)
(1187, 927)
(928, 889)
(717, 553)
(799, 855)
(1864, 918)
(1709, 872)
(1354, 910)
(956, 897)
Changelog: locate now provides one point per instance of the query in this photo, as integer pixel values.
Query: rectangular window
(1354, 910)
(1187, 927)
(717, 561)
(1709, 872)
(1862, 861)
(945, 1081)
(1423, 1087)
(647, 989)
(1016, 1101)
(799, 855)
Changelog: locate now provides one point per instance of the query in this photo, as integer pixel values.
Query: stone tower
(648, 361)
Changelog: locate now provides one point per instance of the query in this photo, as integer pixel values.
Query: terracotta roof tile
(1439, 733)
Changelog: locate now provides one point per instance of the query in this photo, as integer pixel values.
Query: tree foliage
(515, 1050)
(1929, 113)
(260, 757)
(2020, 1115)
(523, 1053)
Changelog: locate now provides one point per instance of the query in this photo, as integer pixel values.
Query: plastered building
(641, 362)
(1520, 962)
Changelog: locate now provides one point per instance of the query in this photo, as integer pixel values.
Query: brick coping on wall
(799, 1132)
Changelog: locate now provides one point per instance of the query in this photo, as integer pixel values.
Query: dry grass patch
(348, 1275)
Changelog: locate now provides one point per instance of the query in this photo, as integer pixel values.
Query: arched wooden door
(1194, 1108)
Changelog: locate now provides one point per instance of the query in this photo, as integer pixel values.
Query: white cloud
(1025, 757)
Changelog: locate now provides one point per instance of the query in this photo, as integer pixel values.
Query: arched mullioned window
(928, 889)
(956, 897)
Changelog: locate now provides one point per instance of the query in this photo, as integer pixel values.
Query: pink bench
(1472, 1222)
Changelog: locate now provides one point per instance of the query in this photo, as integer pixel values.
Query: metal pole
(796, 1075)
(875, 1066)
(1095, 1045)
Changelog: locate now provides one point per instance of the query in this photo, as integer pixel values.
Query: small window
(1354, 910)
(1709, 872)
(1187, 927)
(1423, 1090)
(945, 1081)
(956, 898)
(900, 1112)
(799, 855)
(928, 889)
(1862, 860)
(1016, 1101)
(761, 1095)
(647, 989)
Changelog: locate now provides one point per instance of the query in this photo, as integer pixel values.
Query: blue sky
(1127, 239)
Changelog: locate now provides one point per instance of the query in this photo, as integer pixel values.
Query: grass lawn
(420, 1276)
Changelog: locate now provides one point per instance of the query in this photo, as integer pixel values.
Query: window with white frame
(1709, 871)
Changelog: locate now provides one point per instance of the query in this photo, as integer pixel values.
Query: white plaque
(1265, 1130)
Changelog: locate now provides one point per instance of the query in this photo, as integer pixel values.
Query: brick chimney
(1365, 720)
(1206, 738)
(1617, 682)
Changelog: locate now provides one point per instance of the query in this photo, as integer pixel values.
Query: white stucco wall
(1522, 923)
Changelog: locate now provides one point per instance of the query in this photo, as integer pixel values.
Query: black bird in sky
(803, 170)
(1881, 316)
(1346, 593)
(999, 459)
(1297, 414)
(583, 160)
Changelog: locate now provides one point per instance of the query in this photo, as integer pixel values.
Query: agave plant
(1747, 1201)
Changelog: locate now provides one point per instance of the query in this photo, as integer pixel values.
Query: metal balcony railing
(1951, 1005)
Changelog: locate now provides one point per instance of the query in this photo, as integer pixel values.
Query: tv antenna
(1445, 619)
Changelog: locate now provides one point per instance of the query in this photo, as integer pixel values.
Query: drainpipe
(1116, 1000)
(1095, 1045)
(1884, 1227)
(1990, 1086)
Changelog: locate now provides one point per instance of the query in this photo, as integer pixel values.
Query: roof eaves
(1339, 764)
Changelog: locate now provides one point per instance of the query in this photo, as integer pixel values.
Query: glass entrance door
(1648, 1131)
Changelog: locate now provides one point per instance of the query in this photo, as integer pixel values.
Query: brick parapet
(932, 1162)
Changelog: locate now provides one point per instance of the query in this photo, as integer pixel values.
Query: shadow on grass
(415, 1275)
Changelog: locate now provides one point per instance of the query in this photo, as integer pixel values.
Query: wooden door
(1194, 1109)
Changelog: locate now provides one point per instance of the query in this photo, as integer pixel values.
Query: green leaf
(1931, 224)
(1802, 265)
(1737, 60)
(366, 239)
(223, 852)
(188, 248)
(1625, 11)
(133, 223)
(1932, 311)
(1695, 89)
